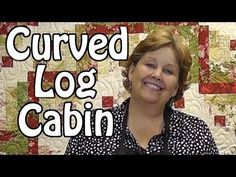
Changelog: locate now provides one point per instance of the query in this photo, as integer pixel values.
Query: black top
(183, 134)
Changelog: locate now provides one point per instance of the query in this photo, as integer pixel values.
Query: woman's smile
(154, 85)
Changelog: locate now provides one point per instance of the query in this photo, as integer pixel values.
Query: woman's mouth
(155, 86)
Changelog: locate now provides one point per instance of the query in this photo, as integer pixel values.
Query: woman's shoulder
(119, 110)
(193, 130)
(189, 123)
(92, 143)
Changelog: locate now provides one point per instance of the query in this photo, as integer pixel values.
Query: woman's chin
(151, 99)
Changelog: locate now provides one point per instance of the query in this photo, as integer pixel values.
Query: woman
(156, 75)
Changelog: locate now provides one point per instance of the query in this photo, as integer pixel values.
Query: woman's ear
(131, 69)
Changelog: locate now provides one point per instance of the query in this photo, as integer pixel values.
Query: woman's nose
(157, 74)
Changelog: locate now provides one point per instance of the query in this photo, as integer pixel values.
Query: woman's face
(155, 77)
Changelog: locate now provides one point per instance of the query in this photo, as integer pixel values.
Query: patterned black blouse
(187, 135)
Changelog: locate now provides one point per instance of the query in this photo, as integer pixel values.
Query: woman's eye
(151, 65)
(168, 71)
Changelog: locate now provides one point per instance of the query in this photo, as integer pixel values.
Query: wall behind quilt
(211, 96)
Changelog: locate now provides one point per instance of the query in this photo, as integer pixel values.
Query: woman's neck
(140, 108)
(145, 120)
